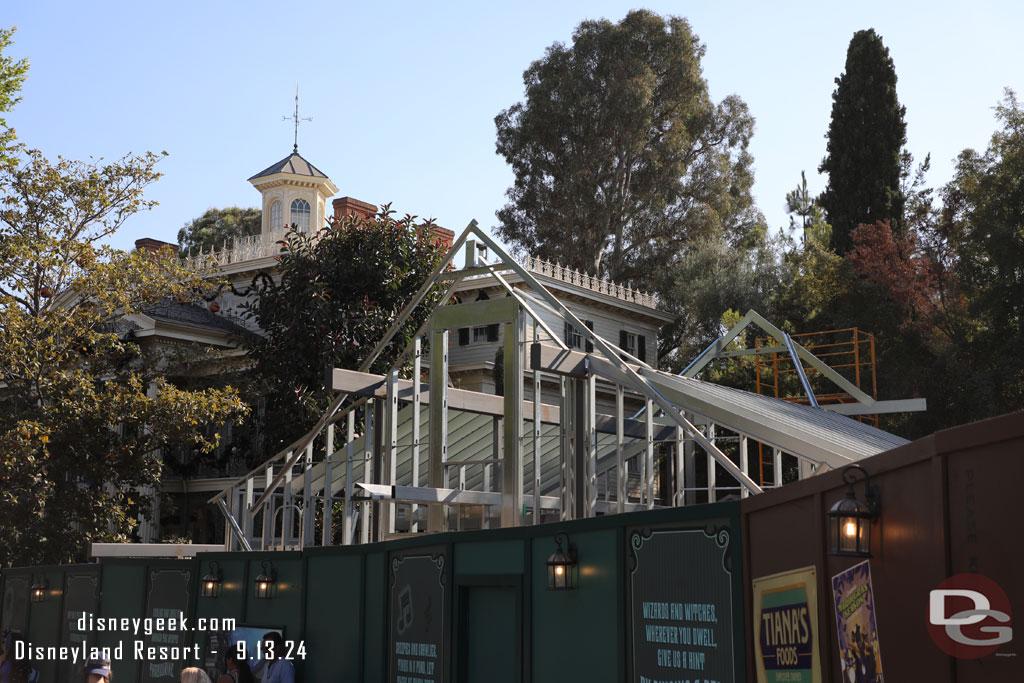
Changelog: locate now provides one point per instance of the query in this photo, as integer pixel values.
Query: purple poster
(859, 655)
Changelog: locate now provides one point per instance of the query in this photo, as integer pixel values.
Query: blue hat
(98, 666)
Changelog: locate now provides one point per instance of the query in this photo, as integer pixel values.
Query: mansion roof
(294, 164)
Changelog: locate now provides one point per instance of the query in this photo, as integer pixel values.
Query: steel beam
(438, 449)
(417, 367)
(440, 497)
(512, 467)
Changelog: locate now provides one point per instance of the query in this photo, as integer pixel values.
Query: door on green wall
(490, 634)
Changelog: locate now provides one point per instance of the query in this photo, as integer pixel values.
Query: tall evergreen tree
(621, 157)
(865, 139)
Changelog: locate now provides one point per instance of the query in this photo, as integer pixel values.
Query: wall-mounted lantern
(264, 586)
(563, 567)
(212, 581)
(39, 589)
(850, 518)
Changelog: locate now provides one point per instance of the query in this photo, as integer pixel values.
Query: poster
(417, 643)
(859, 655)
(168, 597)
(786, 634)
(680, 605)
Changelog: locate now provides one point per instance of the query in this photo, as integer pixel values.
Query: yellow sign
(786, 627)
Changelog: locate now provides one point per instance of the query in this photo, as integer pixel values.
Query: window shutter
(492, 333)
(641, 347)
(567, 336)
(623, 339)
(463, 336)
(590, 326)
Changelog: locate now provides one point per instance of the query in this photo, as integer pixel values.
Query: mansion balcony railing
(594, 284)
(261, 246)
(243, 249)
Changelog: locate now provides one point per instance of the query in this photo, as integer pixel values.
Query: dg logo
(969, 616)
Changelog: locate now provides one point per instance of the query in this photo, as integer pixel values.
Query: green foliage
(865, 137)
(710, 278)
(218, 228)
(12, 75)
(983, 222)
(620, 156)
(83, 412)
(336, 295)
(800, 203)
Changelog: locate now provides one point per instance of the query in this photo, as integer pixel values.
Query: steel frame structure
(582, 462)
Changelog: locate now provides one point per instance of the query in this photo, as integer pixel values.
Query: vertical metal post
(512, 467)
(536, 433)
(368, 438)
(680, 452)
(380, 469)
(565, 431)
(268, 512)
(743, 463)
(804, 469)
(391, 441)
(649, 452)
(249, 517)
(349, 510)
(622, 475)
(417, 367)
(308, 500)
(777, 466)
(690, 465)
(712, 472)
(580, 493)
(287, 514)
(590, 403)
(438, 423)
(497, 430)
(327, 535)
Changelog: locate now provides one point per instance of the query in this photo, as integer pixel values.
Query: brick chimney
(347, 206)
(156, 246)
(445, 236)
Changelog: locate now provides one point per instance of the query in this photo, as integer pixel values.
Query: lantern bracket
(872, 494)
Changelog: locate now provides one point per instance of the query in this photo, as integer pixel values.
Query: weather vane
(296, 119)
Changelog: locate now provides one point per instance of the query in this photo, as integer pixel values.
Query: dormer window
(276, 217)
(300, 214)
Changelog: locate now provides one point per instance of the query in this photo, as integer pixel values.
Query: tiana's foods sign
(786, 627)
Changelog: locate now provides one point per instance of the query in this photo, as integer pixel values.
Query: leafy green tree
(983, 221)
(710, 278)
(218, 228)
(83, 412)
(621, 158)
(335, 296)
(865, 139)
(12, 75)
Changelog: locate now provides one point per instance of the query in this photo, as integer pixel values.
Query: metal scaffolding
(398, 455)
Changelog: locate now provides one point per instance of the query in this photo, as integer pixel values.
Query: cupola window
(300, 214)
(276, 219)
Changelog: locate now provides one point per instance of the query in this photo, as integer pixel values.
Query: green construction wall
(123, 594)
(558, 614)
(337, 600)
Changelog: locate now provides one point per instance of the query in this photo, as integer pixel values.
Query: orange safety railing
(849, 351)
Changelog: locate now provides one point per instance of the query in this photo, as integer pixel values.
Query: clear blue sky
(403, 94)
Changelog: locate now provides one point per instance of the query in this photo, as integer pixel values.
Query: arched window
(276, 219)
(300, 214)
